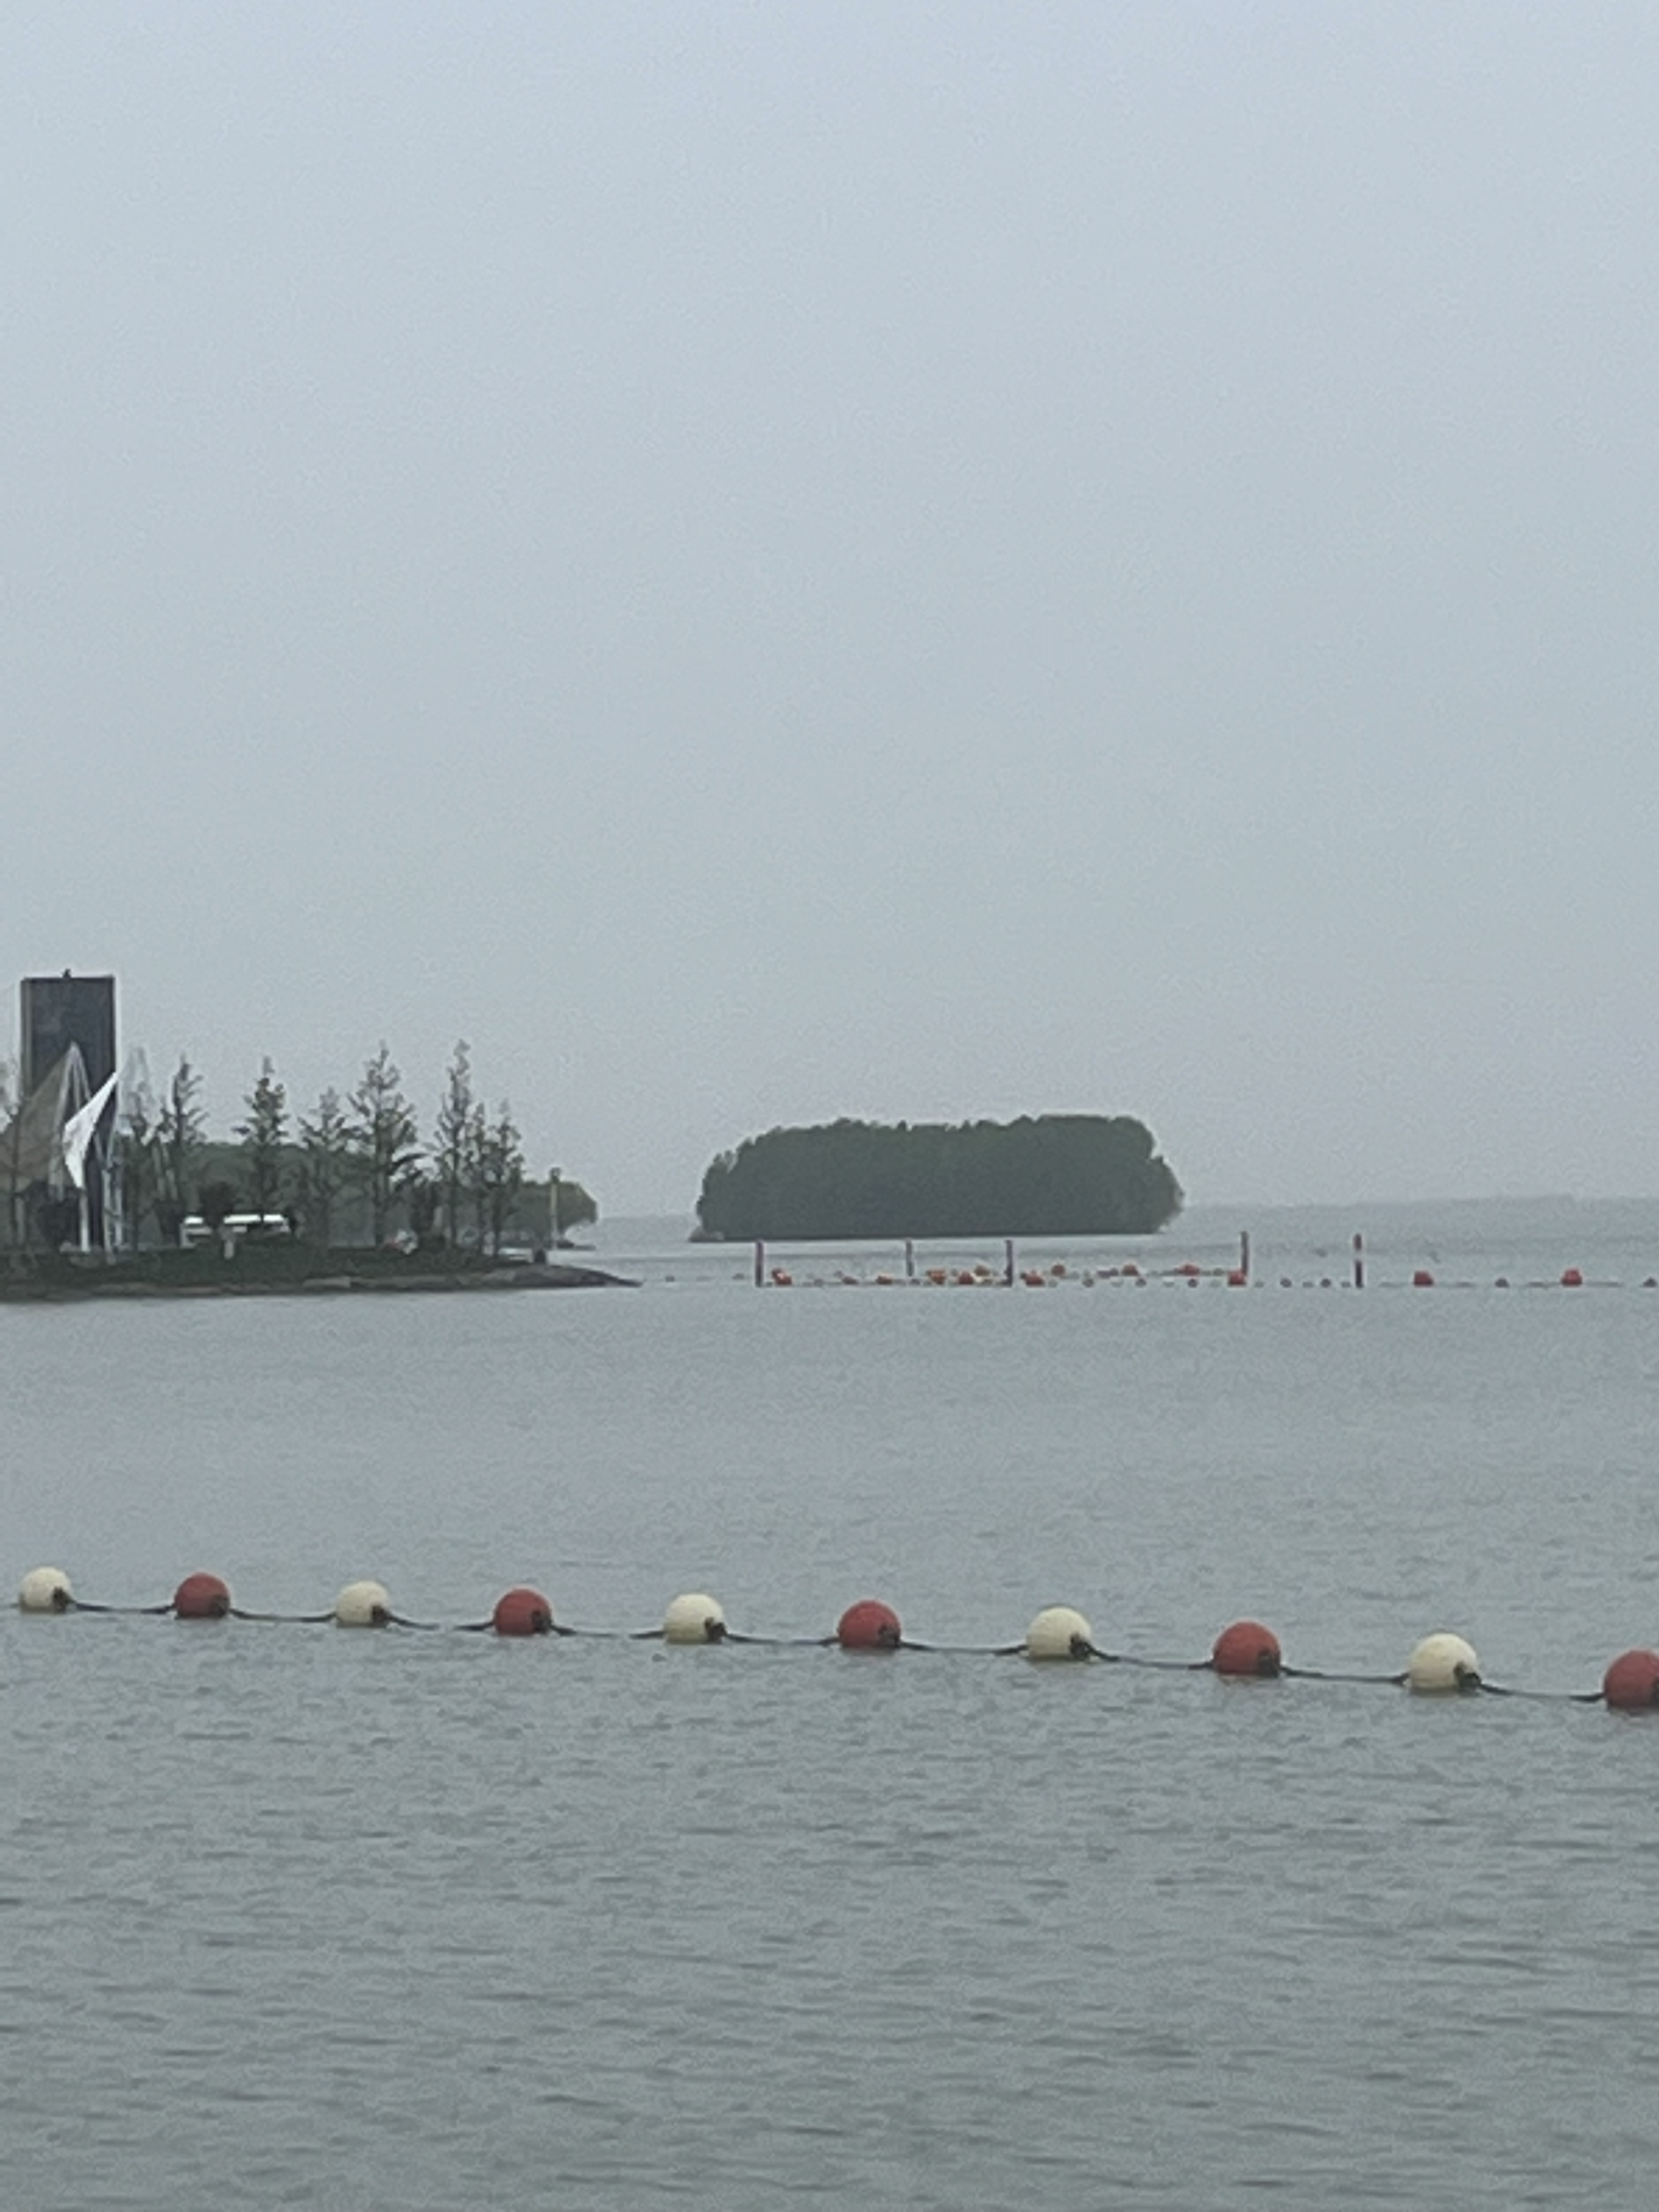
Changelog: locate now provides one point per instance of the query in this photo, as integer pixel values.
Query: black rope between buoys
(129, 1612)
(789, 1643)
(1269, 1667)
(284, 1619)
(962, 1650)
(1541, 1697)
(1325, 1675)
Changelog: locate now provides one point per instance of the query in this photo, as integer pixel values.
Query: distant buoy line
(981, 1275)
(1440, 1665)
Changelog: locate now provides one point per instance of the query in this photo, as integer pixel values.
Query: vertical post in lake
(1008, 1261)
(1358, 1261)
(1244, 1253)
(760, 1263)
(909, 1259)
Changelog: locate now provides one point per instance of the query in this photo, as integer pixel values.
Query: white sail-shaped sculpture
(31, 1143)
(77, 1133)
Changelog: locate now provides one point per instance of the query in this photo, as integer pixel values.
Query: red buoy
(1422, 1281)
(1237, 1279)
(1247, 1648)
(1572, 1279)
(1631, 1685)
(522, 1612)
(201, 1597)
(869, 1625)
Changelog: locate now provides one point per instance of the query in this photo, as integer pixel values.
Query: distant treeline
(1059, 1174)
(526, 1217)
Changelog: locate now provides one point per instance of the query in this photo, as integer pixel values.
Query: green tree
(138, 1136)
(500, 1174)
(179, 1142)
(422, 1194)
(385, 1145)
(477, 1183)
(324, 1166)
(215, 1202)
(453, 1139)
(263, 1134)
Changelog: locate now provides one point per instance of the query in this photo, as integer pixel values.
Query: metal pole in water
(1008, 1261)
(909, 1259)
(1244, 1253)
(760, 1263)
(1358, 1261)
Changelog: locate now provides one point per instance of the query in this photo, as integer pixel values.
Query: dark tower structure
(59, 1011)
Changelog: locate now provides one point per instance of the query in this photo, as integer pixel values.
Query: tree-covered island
(1058, 1175)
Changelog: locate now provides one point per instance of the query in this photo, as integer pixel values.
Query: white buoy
(1442, 1664)
(1058, 1632)
(46, 1590)
(694, 1617)
(363, 1605)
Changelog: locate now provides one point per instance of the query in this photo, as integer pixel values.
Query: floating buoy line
(981, 1274)
(1440, 1665)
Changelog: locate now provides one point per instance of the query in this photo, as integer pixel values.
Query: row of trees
(355, 1166)
(1057, 1175)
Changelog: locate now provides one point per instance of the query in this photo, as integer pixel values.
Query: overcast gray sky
(763, 562)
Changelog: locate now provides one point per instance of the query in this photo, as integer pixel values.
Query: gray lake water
(301, 1917)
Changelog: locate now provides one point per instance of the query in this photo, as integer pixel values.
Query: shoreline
(61, 1290)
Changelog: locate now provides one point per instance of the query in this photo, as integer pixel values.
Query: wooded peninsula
(1058, 1175)
(142, 1202)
